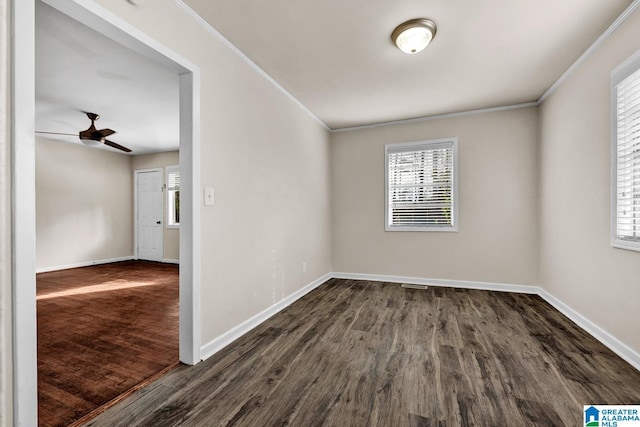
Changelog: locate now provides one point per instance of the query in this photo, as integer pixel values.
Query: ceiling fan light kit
(414, 35)
(91, 143)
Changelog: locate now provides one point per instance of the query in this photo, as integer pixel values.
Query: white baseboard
(212, 347)
(614, 344)
(617, 346)
(486, 286)
(83, 264)
(171, 261)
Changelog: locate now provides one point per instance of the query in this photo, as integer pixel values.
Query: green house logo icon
(592, 417)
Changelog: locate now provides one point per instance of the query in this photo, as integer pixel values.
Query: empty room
(107, 232)
(413, 214)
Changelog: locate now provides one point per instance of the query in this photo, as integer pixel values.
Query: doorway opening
(23, 167)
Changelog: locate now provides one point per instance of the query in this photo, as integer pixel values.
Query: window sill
(441, 229)
(173, 226)
(621, 244)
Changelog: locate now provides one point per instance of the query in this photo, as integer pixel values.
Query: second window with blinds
(173, 196)
(421, 191)
(625, 155)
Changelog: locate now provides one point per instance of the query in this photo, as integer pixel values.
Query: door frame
(136, 174)
(24, 351)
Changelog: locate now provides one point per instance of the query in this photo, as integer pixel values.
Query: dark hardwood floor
(102, 330)
(355, 353)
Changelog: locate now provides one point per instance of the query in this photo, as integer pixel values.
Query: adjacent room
(107, 219)
(382, 214)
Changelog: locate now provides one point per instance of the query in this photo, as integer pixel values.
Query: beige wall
(269, 164)
(577, 263)
(271, 171)
(6, 378)
(497, 237)
(83, 204)
(171, 236)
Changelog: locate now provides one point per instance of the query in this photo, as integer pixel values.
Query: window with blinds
(421, 186)
(173, 196)
(626, 155)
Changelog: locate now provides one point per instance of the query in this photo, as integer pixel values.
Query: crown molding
(572, 68)
(591, 49)
(438, 116)
(206, 26)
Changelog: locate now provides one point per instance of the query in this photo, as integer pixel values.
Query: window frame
(619, 74)
(169, 203)
(454, 185)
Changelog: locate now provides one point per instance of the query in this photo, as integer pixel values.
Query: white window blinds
(173, 196)
(421, 185)
(173, 178)
(626, 211)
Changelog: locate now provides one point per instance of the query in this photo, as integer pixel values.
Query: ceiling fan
(94, 135)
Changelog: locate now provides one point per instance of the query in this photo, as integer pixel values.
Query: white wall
(577, 263)
(497, 237)
(171, 236)
(269, 164)
(6, 400)
(84, 204)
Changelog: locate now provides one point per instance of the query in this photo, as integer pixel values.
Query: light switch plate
(208, 196)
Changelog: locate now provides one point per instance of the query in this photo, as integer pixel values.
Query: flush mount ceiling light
(414, 35)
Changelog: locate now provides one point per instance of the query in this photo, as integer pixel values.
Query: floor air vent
(410, 286)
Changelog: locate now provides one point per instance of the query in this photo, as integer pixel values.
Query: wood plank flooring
(356, 353)
(101, 331)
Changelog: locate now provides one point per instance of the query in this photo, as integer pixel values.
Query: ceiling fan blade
(57, 133)
(106, 132)
(118, 146)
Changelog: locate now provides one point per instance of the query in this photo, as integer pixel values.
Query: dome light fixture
(414, 35)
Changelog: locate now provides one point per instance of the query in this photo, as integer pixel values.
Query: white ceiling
(79, 70)
(336, 56)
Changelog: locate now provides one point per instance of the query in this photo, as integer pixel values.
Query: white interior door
(149, 207)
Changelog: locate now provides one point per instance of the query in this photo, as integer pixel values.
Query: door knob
(158, 222)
